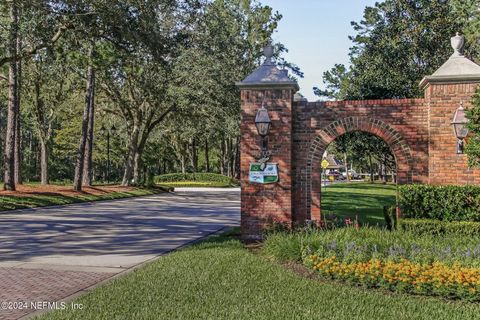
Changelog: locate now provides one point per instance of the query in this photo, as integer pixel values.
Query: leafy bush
(440, 228)
(390, 215)
(206, 177)
(360, 245)
(447, 203)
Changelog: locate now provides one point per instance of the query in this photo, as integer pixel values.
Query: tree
(47, 91)
(86, 120)
(472, 147)
(468, 12)
(366, 151)
(13, 95)
(397, 43)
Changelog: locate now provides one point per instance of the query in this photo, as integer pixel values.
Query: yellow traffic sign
(325, 164)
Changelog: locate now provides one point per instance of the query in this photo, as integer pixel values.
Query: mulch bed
(32, 190)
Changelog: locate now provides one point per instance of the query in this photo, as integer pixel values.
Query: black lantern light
(263, 123)
(459, 127)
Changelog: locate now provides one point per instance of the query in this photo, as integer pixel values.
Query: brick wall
(447, 167)
(261, 205)
(403, 124)
(418, 131)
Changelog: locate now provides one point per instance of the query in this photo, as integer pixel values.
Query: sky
(316, 35)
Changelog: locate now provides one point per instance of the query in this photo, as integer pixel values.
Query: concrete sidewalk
(47, 254)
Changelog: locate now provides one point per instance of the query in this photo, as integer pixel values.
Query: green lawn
(219, 279)
(364, 200)
(11, 202)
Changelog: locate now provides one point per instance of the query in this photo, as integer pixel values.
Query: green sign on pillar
(268, 175)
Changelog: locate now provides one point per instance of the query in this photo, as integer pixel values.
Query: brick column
(453, 83)
(445, 165)
(263, 205)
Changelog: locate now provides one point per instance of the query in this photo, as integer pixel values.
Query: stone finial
(457, 43)
(268, 53)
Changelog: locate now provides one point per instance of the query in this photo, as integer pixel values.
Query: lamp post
(459, 127)
(263, 124)
(107, 132)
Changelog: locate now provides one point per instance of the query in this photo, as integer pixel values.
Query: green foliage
(390, 215)
(447, 203)
(472, 148)
(468, 11)
(397, 43)
(368, 152)
(360, 245)
(440, 228)
(201, 177)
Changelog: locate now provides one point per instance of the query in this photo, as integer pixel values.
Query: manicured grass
(198, 184)
(220, 279)
(12, 202)
(364, 200)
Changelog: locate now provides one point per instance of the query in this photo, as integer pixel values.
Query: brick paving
(27, 286)
(48, 254)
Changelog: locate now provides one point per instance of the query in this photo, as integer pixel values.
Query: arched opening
(326, 135)
(359, 179)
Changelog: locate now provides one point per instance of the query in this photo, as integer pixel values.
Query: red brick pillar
(453, 83)
(266, 205)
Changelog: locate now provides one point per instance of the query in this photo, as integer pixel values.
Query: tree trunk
(87, 165)
(44, 162)
(137, 164)
(77, 181)
(346, 165)
(18, 136)
(130, 161)
(207, 158)
(9, 161)
(384, 173)
(371, 168)
(183, 161)
(229, 157)
(237, 160)
(223, 150)
(194, 158)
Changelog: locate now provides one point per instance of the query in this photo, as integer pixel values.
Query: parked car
(337, 175)
(353, 175)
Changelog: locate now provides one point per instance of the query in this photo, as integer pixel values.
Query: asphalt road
(50, 255)
(119, 233)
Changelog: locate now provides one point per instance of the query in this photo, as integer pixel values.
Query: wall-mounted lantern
(459, 127)
(263, 124)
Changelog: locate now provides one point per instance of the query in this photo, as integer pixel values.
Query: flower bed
(398, 261)
(404, 276)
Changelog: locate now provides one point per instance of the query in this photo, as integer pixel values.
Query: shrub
(390, 215)
(440, 228)
(447, 203)
(208, 177)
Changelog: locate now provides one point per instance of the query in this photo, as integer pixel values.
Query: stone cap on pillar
(457, 69)
(268, 75)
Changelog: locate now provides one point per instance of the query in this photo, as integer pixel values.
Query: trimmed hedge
(210, 177)
(440, 228)
(447, 203)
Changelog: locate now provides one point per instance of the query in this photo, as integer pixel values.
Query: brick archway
(326, 135)
(418, 131)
